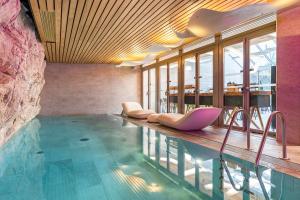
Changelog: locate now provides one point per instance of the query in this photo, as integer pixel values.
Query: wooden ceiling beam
(161, 9)
(107, 31)
(70, 22)
(114, 11)
(125, 10)
(146, 26)
(159, 30)
(57, 29)
(92, 40)
(89, 23)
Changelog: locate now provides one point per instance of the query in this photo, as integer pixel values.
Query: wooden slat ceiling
(111, 31)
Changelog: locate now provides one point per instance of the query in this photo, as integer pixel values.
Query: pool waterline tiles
(119, 160)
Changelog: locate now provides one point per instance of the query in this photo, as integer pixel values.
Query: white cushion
(131, 106)
(169, 119)
(153, 118)
(140, 114)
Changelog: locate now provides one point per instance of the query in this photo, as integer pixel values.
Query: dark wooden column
(157, 104)
(197, 79)
(218, 77)
(180, 83)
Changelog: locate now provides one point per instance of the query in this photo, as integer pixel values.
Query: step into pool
(106, 157)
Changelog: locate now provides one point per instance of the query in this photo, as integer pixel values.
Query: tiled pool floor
(105, 157)
(48, 160)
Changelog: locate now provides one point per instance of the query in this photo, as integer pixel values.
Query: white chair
(195, 119)
(135, 110)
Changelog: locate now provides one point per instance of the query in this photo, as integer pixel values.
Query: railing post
(265, 134)
(230, 127)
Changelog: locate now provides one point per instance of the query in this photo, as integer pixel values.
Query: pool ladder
(264, 137)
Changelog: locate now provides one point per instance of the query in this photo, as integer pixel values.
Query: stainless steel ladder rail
(230, 127)
(265, 134)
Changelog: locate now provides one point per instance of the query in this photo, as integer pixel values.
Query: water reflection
(22, 165)
(210, 176)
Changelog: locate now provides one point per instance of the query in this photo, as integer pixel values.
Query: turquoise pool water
(106, 157)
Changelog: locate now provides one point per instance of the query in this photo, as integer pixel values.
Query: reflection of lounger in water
(196, 119)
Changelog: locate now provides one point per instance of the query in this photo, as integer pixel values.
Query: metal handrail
(266, 132)
(230, 127)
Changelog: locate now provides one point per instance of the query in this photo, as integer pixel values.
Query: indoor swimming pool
(106, 157)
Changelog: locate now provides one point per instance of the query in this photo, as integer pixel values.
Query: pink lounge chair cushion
(153, 118)
(196, 119)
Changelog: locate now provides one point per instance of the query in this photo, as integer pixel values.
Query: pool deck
(212, 137)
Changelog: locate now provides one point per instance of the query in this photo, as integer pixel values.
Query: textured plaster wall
(21, 69)
(88, 89)
(288, 78)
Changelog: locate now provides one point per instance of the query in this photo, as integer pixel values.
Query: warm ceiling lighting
(199, 31)
(282, 3)
(135, 57)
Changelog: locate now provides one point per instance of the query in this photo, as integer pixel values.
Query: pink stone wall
(72, 89)
(288, 72)
(21, 69)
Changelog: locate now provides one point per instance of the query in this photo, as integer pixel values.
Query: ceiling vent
(48, 23)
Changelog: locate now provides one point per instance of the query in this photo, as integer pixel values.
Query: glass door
(233, 65)
(262, 80)
(152, 89)
(206, 79)
(163, 91)
(173, 87)
(145, 89)
(189, 83)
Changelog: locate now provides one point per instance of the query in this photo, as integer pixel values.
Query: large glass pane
(145, 89)
(152, 89)
(189, 83)
(163, 88)
(173, 87)
(206, 79)
(233, 82)
(262, 79)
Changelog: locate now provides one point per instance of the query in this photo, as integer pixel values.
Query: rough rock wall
(21, 69)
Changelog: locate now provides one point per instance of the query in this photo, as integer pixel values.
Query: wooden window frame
(218, 86)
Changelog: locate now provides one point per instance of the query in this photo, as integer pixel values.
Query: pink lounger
(135, 110)
(196, 119)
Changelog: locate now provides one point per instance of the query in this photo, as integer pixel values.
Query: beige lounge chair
(196, 119)
(135, 110)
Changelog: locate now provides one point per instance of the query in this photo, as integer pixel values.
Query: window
(189, 83)
(163, 89)
(173, 87)
(152, 88)
(206, 79)
(145, 89)
(262, 80)
(233, 82)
